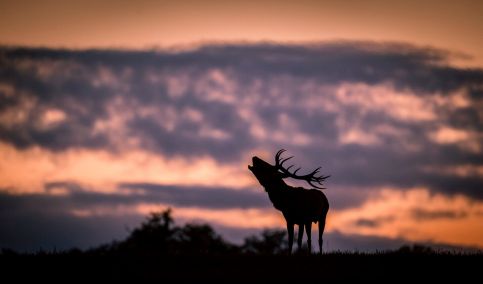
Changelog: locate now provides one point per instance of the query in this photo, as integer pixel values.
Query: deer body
(298, 205)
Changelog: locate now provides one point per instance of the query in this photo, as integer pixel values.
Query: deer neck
(277, 194)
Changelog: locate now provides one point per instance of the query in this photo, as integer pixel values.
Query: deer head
(271, 175)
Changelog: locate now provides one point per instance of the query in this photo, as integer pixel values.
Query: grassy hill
(159, 251)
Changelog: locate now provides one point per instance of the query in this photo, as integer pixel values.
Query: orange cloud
(453, 220)
(465, 139)
(26, 171)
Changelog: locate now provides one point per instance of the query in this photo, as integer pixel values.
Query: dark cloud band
(224, 100)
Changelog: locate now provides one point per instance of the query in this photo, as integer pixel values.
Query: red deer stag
(298, 205)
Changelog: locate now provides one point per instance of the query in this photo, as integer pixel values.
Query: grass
(242, 268)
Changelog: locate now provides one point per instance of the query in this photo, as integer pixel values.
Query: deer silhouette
(298, 205)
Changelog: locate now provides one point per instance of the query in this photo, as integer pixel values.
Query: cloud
(203, 197)
(367, 223)
(415, 215)
(466, 139)
(115, 123)
(373, 223)
(80, 197)
(422, 214)
(359, 107)
(101, 170)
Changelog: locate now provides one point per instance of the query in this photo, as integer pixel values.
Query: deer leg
(308, 231)
(290, 236)
(301, 235)
(321, 231)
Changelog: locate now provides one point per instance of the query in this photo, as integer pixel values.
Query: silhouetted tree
(159, 235)
(156, 234)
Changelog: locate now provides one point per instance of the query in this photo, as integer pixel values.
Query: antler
(311, 178)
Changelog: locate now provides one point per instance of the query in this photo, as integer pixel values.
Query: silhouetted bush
(202, 239)
(8, 252)
(415, 249)
(270, 242)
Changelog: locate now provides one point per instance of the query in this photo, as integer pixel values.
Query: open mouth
(250, 167)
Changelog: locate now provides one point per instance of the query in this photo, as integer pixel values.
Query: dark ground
(387, 267)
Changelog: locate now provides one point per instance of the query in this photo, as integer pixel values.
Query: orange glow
(100, 170)
(393, 211)
(455, 25)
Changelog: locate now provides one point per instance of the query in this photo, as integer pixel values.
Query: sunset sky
(110, 110)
